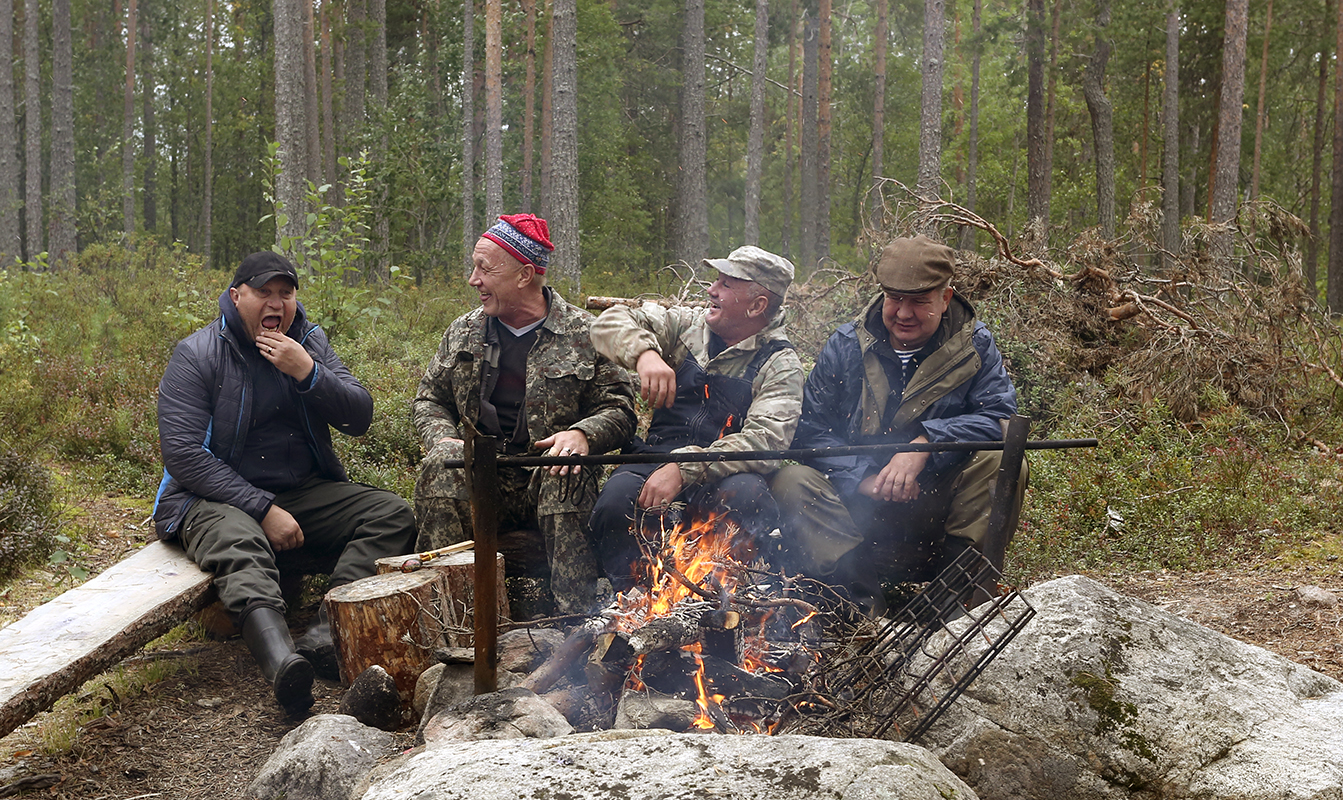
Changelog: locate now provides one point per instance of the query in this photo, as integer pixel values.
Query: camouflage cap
(750, 263)
(913, 266)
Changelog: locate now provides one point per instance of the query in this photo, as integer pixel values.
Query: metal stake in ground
(482, 486)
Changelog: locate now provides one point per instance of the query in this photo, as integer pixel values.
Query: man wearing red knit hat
(521, 368)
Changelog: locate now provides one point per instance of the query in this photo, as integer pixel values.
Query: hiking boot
(267, 637)
(317, 646)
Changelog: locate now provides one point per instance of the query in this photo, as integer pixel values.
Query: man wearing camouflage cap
(719, 379)
(915, 367)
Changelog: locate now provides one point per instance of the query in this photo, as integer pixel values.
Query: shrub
(29, 523)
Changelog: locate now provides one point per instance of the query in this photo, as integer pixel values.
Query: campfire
(712, 639)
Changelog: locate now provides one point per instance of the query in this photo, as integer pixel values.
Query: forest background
(653, 135)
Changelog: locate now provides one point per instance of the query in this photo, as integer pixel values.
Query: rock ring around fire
(643, 765)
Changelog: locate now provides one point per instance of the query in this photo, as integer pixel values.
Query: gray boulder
(1104, 696)
(325, 758)
(508, 714)
(644, 765)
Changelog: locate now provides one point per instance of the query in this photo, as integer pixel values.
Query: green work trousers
(346, 527)
(903, 541)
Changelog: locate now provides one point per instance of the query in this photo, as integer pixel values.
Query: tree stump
(393, 620)
(459, 598)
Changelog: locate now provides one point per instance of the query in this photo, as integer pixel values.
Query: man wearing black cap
(251, 485)
(720, 379)
(915, 367)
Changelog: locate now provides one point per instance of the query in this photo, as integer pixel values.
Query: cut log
(458, 573)
(58, 646)
(394, 620)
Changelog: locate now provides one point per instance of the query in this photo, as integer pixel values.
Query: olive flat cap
(912, 266)
(750, 263)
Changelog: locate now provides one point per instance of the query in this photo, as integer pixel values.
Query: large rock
(325, 758)
(1105, 696)
(509, 714)
(644, 765)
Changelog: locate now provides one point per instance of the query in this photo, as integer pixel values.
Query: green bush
(29, 522)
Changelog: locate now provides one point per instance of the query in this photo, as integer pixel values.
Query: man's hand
(657, 380)
(282, 529)
(898, 481)
(287, 355)
(662, 487)
(565, 443)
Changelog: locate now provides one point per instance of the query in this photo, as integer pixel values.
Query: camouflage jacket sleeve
(622, 334)
(435, 406)
(770, 422)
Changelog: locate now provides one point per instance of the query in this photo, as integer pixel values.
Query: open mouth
(270, 322)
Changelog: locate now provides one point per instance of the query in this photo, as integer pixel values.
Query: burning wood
(711, 641)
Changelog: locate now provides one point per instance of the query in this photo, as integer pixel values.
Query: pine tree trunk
(328, 102)
(1051, 107)
(377, 89)
(930, 118)
(791, 115)
(11, 246)
(1228, 127)
(62, 219)
(529, 107)
(1259, 109)
(1334, 289)
(311, 114)
(1312, 260)
(690, 234)
(1037, 172)
(1170, 157)
(356, 69)
(207, 192)
(879, 37)
(469, 234)
(494, 110)
(547, 111)
(32, 138)
(808, 206)
(564, 264)
(1102, 122)
(128, 129)
(969, 232)
(290, 122)
(151, 156)
(824, 110)
(755, 140)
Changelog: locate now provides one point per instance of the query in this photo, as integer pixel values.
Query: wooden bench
(58, 646)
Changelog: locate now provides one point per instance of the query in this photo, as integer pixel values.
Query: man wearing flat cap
(521, 368)
(915, 367)
(722, 378)
(251, 485)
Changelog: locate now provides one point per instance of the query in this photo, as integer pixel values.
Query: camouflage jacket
(569, 386)
(623, 334)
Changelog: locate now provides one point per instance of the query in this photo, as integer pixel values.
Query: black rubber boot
(316, 646)
(857, 572)
(267, 637)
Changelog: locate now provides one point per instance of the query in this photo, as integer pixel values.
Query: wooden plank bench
(58, 646)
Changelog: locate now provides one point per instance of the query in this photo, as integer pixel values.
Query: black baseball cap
(258, 268)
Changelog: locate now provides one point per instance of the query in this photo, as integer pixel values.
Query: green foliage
(334, 240)
(1159, 494)
(30, 527)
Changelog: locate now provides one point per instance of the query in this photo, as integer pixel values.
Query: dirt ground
(207, 729)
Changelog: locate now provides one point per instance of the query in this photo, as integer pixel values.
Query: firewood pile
(713, 639)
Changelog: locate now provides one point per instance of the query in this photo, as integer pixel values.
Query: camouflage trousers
(529, 498)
